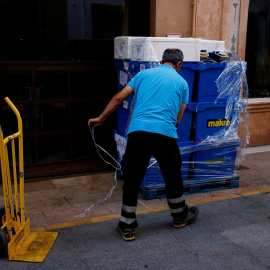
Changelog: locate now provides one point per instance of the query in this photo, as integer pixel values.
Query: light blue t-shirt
(158, 95)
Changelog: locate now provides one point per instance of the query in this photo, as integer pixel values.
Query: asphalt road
(228, 234)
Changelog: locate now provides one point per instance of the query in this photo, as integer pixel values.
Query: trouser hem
(181, 215)
(123, 225)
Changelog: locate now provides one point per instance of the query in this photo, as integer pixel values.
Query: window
(55, 97)
(258, 49)
(33, 30)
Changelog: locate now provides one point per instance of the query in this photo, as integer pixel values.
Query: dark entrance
(57, 66)
(258, 48)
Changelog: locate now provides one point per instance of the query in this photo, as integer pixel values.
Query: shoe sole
(188, 222)
(128, 239)
(182, 225)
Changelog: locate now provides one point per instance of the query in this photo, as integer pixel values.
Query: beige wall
(242, 37)
(212, 20)
(171, 16)
(259, 122)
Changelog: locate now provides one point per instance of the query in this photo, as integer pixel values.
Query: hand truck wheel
(3, 243)
(3, 217)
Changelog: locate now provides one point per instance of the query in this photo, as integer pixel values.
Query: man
(160, 98)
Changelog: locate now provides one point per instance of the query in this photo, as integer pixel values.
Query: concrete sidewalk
(57, 203)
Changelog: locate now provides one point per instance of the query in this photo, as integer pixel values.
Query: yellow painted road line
(254, 192)
(149, 210)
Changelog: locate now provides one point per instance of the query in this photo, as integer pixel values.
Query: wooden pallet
(190, 187)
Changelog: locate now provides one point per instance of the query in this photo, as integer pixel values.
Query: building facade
(57, 66)
(227, 20)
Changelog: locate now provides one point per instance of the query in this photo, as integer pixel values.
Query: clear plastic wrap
(152, 48)
(233, 83)
(213, 158)
(207, 163)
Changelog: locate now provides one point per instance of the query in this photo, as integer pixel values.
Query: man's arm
(180, 114)
(112, 106)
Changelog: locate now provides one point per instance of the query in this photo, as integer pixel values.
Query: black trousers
(140, 147)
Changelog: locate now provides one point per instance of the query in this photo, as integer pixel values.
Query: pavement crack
(67, 201)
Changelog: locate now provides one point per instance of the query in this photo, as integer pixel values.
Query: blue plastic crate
(184, 128)
(188, 71)
(185, 149)
(214, 159)
(121, 142)
(126, 105)
(153, 174)
(210, 119)
(122, 120)
(206, 89)
(158, 191)
(124, 74)
(137, 66)
(127, 69)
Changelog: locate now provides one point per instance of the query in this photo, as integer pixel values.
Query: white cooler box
(152, 48)
(212, 45)
(122, 47)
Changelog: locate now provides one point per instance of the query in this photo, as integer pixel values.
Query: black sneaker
(191, 216)
(127, 234)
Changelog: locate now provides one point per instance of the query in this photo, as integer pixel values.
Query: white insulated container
(212, 45)
(122, 47)
(152, 48)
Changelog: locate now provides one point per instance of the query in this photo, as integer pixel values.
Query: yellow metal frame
(23, 245)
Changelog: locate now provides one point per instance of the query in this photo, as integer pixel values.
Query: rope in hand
(92, 132)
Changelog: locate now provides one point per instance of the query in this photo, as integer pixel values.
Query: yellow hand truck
(16, 237)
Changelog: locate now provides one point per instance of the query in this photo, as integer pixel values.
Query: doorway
(258, 49)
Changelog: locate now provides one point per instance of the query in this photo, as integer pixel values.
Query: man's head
(174, 57)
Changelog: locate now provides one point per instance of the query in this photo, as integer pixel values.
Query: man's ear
(178, 65)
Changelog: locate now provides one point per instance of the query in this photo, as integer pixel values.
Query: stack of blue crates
(205, 116)
(214, 155)
(124, 76)
(214, 160)
(126, 70)
(153, 175)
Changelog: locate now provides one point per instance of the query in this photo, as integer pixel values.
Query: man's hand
(95, 122)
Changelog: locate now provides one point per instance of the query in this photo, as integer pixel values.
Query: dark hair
(173, 56)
